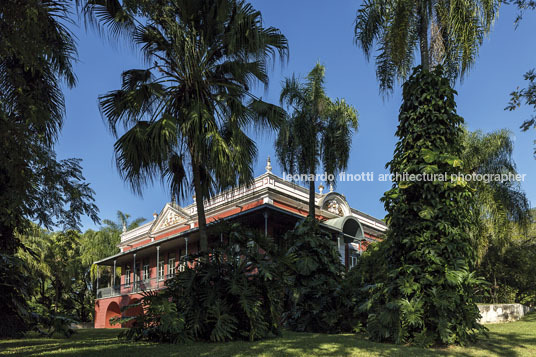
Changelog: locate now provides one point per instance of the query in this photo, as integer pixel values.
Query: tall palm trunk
(312, 181)
(423, 39)
(201, 219)
(312, 199)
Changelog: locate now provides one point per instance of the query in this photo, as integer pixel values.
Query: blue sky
(317, 31)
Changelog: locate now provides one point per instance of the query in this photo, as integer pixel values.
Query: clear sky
(317, 31)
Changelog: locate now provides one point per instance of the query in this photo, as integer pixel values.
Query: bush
(316, 300)
(510, 270)
(159, 322)
(50, 324)
(234, 293)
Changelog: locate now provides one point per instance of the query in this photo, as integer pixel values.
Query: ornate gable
(336, 204)
(169, 217)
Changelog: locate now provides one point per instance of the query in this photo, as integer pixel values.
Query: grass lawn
(509, 339)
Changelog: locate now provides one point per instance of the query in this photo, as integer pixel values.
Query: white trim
(267, 187)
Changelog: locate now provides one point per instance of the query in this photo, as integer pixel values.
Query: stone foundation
(495, 313)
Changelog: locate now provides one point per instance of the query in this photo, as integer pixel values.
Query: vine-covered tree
(317, 132)
(427, 295)
(186, 115)
(443, 32)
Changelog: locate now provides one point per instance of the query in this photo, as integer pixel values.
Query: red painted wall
(106, 308)
(109, 307)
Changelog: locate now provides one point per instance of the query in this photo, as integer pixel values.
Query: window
(342, 250)
(161, 270)
(127, 276)
(171, 266)
(146, 274)
(353, 260)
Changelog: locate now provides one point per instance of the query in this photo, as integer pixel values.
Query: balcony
(136, 287)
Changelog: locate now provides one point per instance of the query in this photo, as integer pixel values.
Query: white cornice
(267, 187)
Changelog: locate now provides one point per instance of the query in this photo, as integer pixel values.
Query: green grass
(509, 339)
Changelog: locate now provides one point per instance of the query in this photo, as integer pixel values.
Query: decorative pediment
(336, 204)
(169, 217)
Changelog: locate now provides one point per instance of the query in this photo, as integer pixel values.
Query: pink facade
(270, 205)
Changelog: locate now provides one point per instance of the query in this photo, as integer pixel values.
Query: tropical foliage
(53, 275)
(427, 295)
(36, 55)
(501, 206)
(34, 60)
(60, 281)
(444, 32)
(509, 266)
(500, 235)
(102, 243)
(185, 116)
(522, 6)
(185, 120)
(317, 132)
(15, 289)
(55, 282)
(526, 96)
(236, 294)
(314, 297)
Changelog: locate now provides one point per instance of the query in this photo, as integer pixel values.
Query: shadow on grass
(511, 339)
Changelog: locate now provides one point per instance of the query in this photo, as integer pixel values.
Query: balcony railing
(141, 285)
(135, 287)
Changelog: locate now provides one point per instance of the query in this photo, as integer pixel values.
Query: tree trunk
(8, 242)
(201, 219)
(57, 289)
(423, 39)
(495, 300)
(312, 173)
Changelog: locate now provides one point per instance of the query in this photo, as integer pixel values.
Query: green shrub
(316, 301)
(510, 270)
(50, 324)
(159, 322)
(235, 293)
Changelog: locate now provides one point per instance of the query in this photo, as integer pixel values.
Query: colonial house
(156, 251)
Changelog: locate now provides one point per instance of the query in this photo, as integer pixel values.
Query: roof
(266, 189)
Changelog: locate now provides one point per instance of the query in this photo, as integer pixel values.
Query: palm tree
(33, 251)
(37, 50)
(444, 32)
(501, 205)
(36, 55)
(122, 223)
(185, 116)
(103, 243)
(318, 131)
